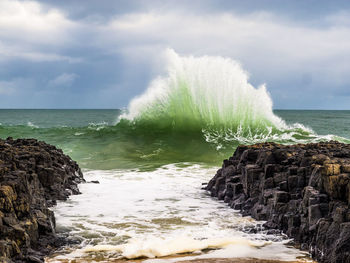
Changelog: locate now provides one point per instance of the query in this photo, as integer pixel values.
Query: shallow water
(133, 214)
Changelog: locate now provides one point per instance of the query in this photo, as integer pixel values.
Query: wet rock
(301, 190)
(94, 182)
(33, 176)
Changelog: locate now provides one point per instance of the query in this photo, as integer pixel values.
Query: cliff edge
(33, 176)
(303, 190)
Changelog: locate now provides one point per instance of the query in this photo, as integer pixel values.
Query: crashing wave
(211, 94)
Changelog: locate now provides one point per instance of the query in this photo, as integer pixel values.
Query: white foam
(32, 125)
(159, 247)
(133, 214)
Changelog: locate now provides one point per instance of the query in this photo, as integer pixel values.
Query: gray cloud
(7, 87)
(63, 80)
(298, 48)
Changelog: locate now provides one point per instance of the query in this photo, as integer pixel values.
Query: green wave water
(210, 97)
(204, 92)
(128, 146)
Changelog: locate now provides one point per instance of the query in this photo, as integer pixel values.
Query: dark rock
(302, 190)
(33, 176)
(94, 182)
(34, 259)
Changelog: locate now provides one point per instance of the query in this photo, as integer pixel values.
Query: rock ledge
(303, 190)
(33, 176)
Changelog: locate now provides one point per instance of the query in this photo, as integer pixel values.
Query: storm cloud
(100, 54)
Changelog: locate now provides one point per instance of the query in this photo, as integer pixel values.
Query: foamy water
(133, 214)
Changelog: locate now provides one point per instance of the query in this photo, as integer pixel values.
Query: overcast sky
(102, 53)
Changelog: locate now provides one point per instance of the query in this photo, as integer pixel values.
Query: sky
(102, 53)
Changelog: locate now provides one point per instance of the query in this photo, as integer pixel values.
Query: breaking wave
(211, 96)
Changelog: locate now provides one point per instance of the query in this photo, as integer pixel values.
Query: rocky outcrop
(33, 176)
(303, 190)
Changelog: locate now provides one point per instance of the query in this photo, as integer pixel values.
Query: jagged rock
(33, 176)
(303, 190)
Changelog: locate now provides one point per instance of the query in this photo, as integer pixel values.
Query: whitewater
(151, 215)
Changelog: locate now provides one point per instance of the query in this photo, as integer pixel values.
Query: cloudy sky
(101, 53)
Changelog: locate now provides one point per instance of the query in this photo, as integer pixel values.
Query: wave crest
(210, 95)
(201, 92)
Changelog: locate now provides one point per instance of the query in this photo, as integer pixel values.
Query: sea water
(152, 159)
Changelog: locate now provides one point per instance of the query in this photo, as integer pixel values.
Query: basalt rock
(303, 190)
(33, 176)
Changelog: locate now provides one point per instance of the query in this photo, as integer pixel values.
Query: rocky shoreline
(302, 190)
(33, 176)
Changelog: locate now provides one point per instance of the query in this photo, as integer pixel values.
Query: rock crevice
(303, 190)
(33, 176)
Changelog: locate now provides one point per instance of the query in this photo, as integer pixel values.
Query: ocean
(93, 138)
(152, 159)
(149, 202)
